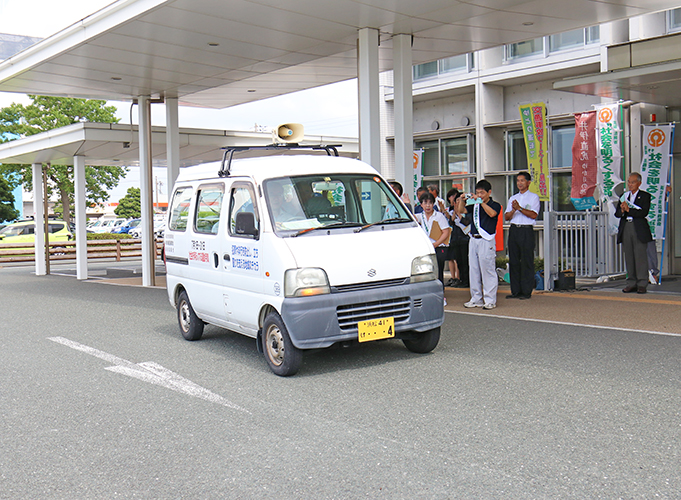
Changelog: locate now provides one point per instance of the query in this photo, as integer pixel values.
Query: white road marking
(600, 327)
(150, 372)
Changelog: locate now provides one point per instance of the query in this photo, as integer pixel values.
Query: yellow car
(24, 232)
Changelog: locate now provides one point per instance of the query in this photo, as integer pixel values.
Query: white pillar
(404, 113)
(81, 203)
(172, 143)
(368, 88)
(146, 192)
(39, 219)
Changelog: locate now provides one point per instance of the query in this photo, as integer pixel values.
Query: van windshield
(313, 201)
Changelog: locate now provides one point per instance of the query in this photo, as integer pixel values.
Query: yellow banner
(533, 118)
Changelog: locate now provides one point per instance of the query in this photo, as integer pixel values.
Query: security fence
(580, 242)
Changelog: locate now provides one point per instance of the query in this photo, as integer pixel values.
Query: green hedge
(107, 236)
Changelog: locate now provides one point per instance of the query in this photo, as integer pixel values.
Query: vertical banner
(418, 172)
(609, 139)
(533, 118)
(584, 165)
(657, 143)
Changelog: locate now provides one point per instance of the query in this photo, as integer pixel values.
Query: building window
(561, 176)
(574, 39)
(449, 163)
(463, 62)
(524, 49)
(516, 156)
(425, 70)
(674, 17)
(456, 63)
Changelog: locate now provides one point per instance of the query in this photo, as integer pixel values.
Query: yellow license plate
(376, 329)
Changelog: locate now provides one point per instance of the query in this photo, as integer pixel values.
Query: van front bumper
(322, 320)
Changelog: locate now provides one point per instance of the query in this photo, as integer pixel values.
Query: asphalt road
(503, 408)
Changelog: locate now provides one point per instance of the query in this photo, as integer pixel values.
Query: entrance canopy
(101, 144)
(219, 53)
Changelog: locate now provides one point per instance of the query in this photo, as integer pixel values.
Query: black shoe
(463, 285)
(629, 289)
(450, 282)
(641, 289)
(512, 296)
(524, 297)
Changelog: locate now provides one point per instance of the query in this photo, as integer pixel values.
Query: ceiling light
(251, 90)
(213, 44)
(528, 23)
(116, 78)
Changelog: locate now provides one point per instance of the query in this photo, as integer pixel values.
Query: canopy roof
(113, 144)
(220, 53)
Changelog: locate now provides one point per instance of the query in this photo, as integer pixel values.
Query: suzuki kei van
(299, 252)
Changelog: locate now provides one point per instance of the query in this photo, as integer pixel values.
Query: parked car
(24, 232)
(159, 228)
(127, 227)
(106, 225)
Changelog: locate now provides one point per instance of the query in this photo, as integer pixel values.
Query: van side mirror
(245, 225)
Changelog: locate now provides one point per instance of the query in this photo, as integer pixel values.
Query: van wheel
(190, 324)
(282, 356)
(426, 342)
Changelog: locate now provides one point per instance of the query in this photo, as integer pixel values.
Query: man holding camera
(481, 213)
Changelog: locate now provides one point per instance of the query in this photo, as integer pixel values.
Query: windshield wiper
(327, 226)
(385, 221)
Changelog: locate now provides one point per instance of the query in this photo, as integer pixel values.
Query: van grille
(349, 315)
(370, 285)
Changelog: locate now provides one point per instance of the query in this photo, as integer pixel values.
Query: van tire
(426, 341)
(282, 356)
(191, 325)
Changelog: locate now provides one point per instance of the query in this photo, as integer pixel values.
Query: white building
(466, 117)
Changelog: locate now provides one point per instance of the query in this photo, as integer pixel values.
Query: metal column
(368, 88)
(172, 143)
(146, 192)
(404, 129)
(39, 219)
(81, 203)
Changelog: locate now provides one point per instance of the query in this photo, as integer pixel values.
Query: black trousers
(459, 252)
(521, 259)
(441, 254)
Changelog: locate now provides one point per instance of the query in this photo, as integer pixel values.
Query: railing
(581, 242)
(66, 250)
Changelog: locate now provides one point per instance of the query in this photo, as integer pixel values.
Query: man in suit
(634, 233)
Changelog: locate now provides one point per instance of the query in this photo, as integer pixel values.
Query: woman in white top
(429, 218)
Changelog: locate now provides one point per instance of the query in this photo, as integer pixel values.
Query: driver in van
(314, 203)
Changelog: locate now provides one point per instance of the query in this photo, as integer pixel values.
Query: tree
(47, 113)
(7, 210)
(130, 205)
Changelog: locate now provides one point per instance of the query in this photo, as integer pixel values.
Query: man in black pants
(522, 211)
(634, 233)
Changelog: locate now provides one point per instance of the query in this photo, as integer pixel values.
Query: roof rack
(331, 150)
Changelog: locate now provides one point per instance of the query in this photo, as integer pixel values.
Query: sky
(328, 110)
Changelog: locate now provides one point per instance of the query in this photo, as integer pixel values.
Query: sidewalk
(602, 305)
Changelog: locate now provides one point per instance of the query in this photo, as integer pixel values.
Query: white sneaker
(445, 300)
(489, 306)
(472, 304)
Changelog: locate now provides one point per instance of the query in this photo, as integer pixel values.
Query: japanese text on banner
(533, 117)
(609, 159)
(584, 166)
(657, 141)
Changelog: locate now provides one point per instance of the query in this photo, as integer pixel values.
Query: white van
(299, 252)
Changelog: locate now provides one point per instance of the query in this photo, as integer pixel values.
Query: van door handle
(226, 257)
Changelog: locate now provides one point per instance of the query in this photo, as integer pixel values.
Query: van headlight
(423, 268)
(305, 282)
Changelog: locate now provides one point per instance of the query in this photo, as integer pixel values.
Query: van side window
(208, 205)
(241, 202)
(179, 210)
